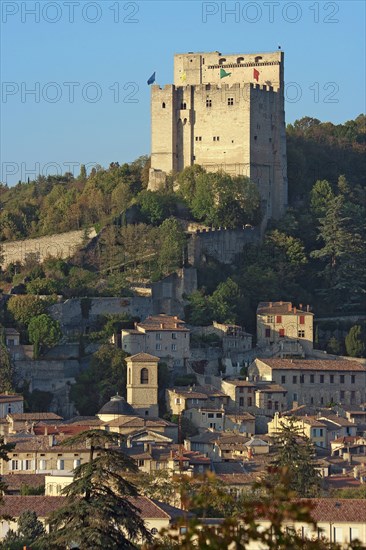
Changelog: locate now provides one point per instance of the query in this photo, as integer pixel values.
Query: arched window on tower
(240, 60)
(144, 376)
(257, 58)
(163, 105)
(222, 60)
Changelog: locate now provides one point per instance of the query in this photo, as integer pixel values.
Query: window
(140, 462)
(312, 378)
(27, 464)
(301, 333)
(283, 379)
(353, 378)
(154, 531)
(208, 102)
(353, 396)
(331, 378)
(278, 318)
(216, 138)
(241, 390)
(276, 405)
(322, 400)
(321, 378)
(77, 462)
(174, 347)
(268, 332)
(269, 404)
(343, 393)
(183, 106)
(163, 105)
(14, 465)
(230, 101)
(177, 401)
(158, 336)
(210, 415)
(302, 320)
(281, 332)
(341, 378)
(144, 376)
(321, 432)
(270, 318)
(241, 402)
(302, 378)
(60, 464)
(198, 138)
(218, 415)
(295, 397)
(294, 379)
(158, 347)
(43, 464)
(311, 400)
(249, 401)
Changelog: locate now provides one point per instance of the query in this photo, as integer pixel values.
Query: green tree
(334, 346)
(198, 310)
(172, 241)
(355, 342)
(29, 526)
(24, 308)
(43, 332)
(321, 196)
(225, 301)
(95, 385)
(97, 512)
(296, 454)
(6, 371)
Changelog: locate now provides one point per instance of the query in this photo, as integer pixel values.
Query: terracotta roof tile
(314, 364)
(163, 322)
(35, 416)
(280, 308)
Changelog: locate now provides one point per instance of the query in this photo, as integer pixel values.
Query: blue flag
(151, 79)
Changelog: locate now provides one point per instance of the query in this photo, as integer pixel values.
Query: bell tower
(142, 384)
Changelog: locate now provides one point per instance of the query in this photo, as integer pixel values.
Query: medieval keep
(224, 112)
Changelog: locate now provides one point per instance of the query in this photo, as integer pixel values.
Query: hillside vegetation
(315, 254)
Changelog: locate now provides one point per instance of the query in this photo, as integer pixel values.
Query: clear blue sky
(324, 45)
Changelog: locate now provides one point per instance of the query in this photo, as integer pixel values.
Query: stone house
(241, 394)
(234, 338)
(11, 403)
(12, 337)
(316, 382)
(309, 426)
(206, 418)
(178, 399)
(250, 396)
(284, 328)
(164, 336)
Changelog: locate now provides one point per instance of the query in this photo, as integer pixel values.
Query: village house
(234, 338)
(317, 382)
(164, 336)
(178, 399)
(286, 329)
(11, 403)
(12, 337)
(255, 397)
(308, 426)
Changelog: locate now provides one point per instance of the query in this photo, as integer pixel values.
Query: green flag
(223, 73)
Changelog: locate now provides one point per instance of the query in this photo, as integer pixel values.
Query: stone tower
(142, 384)
(224, 112)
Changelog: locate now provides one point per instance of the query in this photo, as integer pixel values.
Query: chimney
(308, 308)
(295, 309)
(161, 325)
(175, 325)
(281, 303)
(289, 306)
(270, 304)
(300, 306)
(51, 440)
(46, 430)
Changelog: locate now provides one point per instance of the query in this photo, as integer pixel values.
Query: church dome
(117, 405)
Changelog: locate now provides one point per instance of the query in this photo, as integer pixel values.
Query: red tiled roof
(349, 510)
(314, 364)
(35, 416)
(163, 322)
(279, 308)
(15, 481)
(42, 505)
(9, 397)
(239, 383)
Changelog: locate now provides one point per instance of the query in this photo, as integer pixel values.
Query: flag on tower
(223, 73)
(151, 79)
(255, 74)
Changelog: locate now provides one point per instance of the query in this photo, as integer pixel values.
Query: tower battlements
(224, 112)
